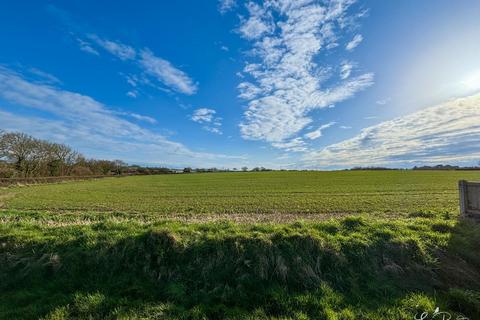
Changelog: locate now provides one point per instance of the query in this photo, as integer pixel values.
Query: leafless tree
(21, 150)
(34, 157)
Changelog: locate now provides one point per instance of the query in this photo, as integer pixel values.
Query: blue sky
(282, 84)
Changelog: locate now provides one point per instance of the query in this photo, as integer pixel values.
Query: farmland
(395, 192)
(267, 245)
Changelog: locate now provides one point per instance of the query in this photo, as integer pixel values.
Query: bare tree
(119, 166)
(35, 157)
(25, 156)
(19, 149)
(61, 159)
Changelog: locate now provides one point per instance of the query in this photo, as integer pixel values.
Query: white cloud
(203, 115)
(120, 50)
(445, 133)
(154, 68)
(158, 69)
(383, 102)
(136, 116)
(345, 127)
(346, 69)
(89, 125)
(258, 23)
(132, 93)
(208, 117)
(318, 133)
(354, 43)
(248, 90)
(286, 82)
(45, 77)
(226, 5)
(351, 22)
(166, 73)
(132, 80)
(215, 130)
(142, 118)
(294, 145)
(87, 47)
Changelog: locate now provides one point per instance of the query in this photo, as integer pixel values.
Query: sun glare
(472, 82)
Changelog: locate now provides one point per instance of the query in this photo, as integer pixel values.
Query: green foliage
(467, 301)
(353, 268)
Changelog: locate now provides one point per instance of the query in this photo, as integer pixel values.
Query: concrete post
(462, 188)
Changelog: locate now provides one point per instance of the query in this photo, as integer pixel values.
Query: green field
(394, 192)
(309, 245)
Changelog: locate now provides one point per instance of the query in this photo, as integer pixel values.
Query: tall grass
(351, 268)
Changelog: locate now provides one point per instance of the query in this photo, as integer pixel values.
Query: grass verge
(349, 268)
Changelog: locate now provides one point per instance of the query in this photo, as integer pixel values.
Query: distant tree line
(23, 156)
(371, 168)
(446, 167)
(436, 167)
(243, 169)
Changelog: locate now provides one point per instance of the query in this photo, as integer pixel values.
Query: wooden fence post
(462, 188)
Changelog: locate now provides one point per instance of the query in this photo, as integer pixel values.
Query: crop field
(389, 192)
(267, 245)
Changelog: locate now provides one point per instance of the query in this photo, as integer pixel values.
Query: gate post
(462, 188)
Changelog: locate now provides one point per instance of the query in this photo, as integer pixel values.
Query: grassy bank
(352, 268)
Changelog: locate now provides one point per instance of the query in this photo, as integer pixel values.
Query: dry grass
(59, 218)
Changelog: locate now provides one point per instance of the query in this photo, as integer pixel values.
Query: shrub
(6, 171)
(80, 171)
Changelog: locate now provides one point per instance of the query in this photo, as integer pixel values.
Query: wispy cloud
(203, 115)
(213, 129)
(90, 125)
(346, 69)
(155, 69)
(118, 49)
(45, 77)
(226, 5)
(259, 22)
(206, 116)
(87, 47)
(318, 133)
(138, 117)
(166, 73)
(293, 145)
(285, 80)
(383, 102)
(446, 133)
(132, 93)
(354, 43)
